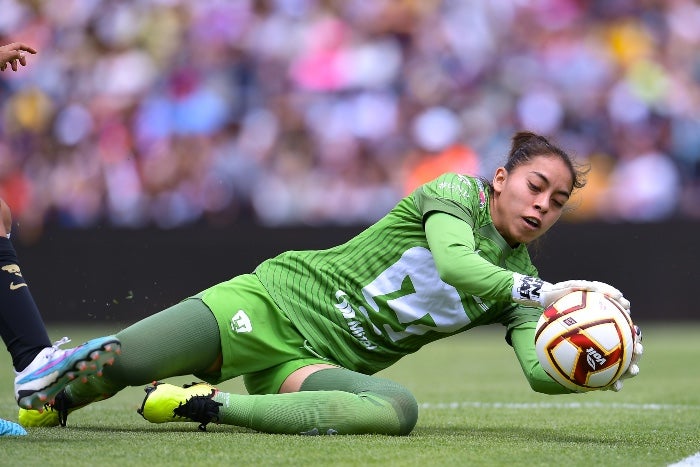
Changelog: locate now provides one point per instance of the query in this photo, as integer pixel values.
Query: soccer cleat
(190, 403)
(53, 414)
(34, 418)
(53, 368)
(8, 428)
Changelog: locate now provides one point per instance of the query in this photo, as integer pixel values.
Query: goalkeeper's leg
(330, 401)
(181, 340)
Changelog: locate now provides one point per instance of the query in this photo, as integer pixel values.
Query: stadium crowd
(179, 112)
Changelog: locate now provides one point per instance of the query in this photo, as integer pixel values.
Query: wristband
(527, 289)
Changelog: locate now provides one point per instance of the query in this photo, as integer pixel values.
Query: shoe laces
(58, 343)
(202, 409)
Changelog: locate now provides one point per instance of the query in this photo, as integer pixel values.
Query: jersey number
(422, 302)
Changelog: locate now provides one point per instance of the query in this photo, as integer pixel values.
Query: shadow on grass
(507, 434)
(172, 428)
(517, 434)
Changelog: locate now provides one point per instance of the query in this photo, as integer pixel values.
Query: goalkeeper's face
(530, 198)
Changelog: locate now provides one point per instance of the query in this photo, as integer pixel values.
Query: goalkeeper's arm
(452, 245)
(522, 338)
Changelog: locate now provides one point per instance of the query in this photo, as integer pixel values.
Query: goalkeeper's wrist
(527, 290)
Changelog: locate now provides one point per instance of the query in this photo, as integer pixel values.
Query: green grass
(476, 409)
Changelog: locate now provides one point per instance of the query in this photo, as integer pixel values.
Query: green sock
(331, 401)
(181, 340)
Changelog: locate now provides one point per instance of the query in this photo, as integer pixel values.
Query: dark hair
(527, 145)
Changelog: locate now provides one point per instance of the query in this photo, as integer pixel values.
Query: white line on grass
(691, 461)
(553, 405)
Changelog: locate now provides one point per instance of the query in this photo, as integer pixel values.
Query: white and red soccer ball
(584, 341)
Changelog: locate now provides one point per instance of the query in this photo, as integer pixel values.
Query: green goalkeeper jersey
(378, 297)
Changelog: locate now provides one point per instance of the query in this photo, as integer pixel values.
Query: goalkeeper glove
(633, 369)
(533, 291)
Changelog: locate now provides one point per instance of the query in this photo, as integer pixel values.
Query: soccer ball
(584, 341)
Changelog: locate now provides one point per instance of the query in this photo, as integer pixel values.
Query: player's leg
(330, 400)
(42, 369)
(181, 340)
(21, 325)
(259, 341)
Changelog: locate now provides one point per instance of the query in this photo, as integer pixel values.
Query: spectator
(172, 113)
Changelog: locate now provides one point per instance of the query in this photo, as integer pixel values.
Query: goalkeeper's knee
(340, 379)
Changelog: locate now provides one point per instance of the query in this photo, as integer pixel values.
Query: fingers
(25, 47)
(637, 351)
(596, 286)
(14, 54)
(625, 303)
(573, 285)
(607, 289)
(612, 293)
(638, 332)
(18, 47)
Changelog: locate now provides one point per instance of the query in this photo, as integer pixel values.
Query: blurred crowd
(177, 112)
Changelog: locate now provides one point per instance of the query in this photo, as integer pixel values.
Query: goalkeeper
(308, 329)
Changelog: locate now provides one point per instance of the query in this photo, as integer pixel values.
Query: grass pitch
(476, 409)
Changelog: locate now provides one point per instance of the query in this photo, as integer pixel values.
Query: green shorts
(257, 339)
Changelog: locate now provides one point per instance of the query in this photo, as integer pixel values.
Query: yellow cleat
(190, 403)
(31, 418)
(53, 414)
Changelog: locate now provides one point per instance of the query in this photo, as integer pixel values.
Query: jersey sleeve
(451, 242)
(522, 338)
(450, 193)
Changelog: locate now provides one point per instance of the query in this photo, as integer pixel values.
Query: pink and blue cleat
(53, 368)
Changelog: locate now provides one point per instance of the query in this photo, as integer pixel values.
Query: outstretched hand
(553, 292)
(14, 54)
